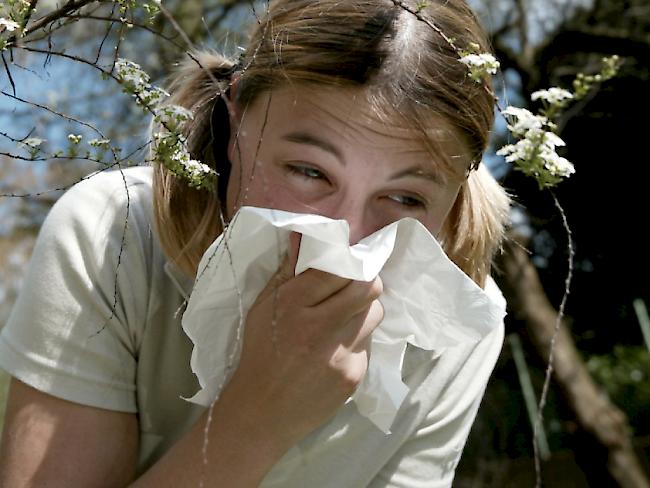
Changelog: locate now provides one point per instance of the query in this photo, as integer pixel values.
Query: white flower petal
(9, 24)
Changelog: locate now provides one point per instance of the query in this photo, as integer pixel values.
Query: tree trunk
(594, 411)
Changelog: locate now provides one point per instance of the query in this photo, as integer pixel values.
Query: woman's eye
(306, 172)
(406, 200)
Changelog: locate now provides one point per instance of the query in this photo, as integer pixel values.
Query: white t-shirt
(98, 323)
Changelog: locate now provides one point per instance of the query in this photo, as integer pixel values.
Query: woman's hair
(400, 52)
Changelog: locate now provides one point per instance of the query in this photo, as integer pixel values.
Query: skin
(322, 152)
(306, 338)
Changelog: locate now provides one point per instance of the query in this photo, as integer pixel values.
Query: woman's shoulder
(114, 186)
(102, 224)
(76, 329)
(103, 203)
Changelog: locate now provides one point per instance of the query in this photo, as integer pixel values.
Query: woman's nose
(358, 218)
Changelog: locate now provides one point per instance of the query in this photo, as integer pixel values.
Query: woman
(356, 110)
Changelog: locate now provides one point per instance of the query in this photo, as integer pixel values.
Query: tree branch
(58, 14)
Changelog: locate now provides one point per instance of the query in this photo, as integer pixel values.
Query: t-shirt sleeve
(74, 330)
(430, 456)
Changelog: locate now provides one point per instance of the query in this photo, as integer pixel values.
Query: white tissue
(428, 301)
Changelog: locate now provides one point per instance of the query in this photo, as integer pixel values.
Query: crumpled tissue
(428, 301)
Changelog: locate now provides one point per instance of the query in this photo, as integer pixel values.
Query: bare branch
(176, 26)
(52, 190)
(106, 34)
(54, 112)
(113, 20)
(57, 14)
(18, 157)
(551, 354)
(433, 26)
(11, 80)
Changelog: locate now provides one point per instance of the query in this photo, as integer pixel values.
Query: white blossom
(558, 166)
(9, 24)
(552, 140)
(524, 121)
(480, 65)
(75, 139)
(197, 168)
(514, 152)
(169, 145)
(99, 142)
(170, 150)
(152, 96)
(535, 151)
(486, 60)
(33, 142)
(553, 96)
(136, 82)
(172, 117)
(131, 75)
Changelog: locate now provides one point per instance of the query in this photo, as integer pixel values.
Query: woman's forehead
(354, 114)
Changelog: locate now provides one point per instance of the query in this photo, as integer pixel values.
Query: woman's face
(302, 150)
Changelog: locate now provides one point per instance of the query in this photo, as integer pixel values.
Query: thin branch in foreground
(53, 190)
(119, 254)
(106, 34)
(67, 8)
(54, 112)
(106, 167)
(138, 25)
(176, 26)
(556, 330)
(18, 157)
(240, 326)
(11, 80)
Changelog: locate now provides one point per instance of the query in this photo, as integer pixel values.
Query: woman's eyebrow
(419, 172)
(312, 140)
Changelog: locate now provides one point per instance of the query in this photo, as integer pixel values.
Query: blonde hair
(411, 72)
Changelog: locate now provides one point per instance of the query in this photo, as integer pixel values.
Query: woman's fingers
(356, 333)
(310, 287)
(284, 273)
(331, 303)
(354, 298)
(307, 344)
(313, 286)
(305, 290)
(317, 310)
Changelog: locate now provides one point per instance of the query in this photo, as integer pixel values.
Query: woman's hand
(305, 349)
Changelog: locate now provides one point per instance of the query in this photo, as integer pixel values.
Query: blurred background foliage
(625, 376)
(540, 43)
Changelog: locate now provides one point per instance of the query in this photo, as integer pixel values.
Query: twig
(106, 164)
(57, 14)
(52, 27)
(11, 80)
(134, 24)
(176, 26)
(108, 32)
(52, 190)
(52, 111)
(558, 323)
(51, 158)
